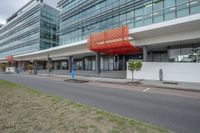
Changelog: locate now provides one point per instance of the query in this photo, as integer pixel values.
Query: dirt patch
(24, 110)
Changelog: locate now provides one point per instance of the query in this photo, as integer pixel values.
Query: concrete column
(168, 53)
(145, 53)
(35, 65)
(124, 63)
(98, 63)
(151, 56)
(50, 65)
(83, 63)
(70, 62)
(25, 65)
(114, 63)
(118, 62)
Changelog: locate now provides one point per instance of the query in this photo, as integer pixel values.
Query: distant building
(32, 28)
(1, 25)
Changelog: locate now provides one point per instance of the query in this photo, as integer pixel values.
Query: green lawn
(25, 110)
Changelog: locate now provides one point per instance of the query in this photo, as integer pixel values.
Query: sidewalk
(149, 83)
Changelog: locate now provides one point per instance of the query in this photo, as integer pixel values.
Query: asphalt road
(177, 113)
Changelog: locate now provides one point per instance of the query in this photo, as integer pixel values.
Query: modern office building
(1, 25)
(32, 28)
(102, 35)
(145, 24)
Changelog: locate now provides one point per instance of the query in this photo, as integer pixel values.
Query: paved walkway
(170, 85)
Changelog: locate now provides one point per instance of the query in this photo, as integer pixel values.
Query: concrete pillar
(114, 63)
(83, 63)
(98, 63)
(25, 65)
(70, 63)
(50, 64)
(35, 65)
(145, 53)
(151, 56)
(124, 63)
(168, 53)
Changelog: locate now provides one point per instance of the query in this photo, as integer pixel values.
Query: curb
(155, 86)
(128, 84)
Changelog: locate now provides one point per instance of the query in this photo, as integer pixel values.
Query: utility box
(10, 69)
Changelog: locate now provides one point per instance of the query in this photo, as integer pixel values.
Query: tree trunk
(132, 77)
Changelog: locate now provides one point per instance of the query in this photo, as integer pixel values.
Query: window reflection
(121, 12)
(189, 53)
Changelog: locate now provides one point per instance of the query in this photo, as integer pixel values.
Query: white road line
(146, 90)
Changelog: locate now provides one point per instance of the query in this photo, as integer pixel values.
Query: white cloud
(2, 20)
(8, 7)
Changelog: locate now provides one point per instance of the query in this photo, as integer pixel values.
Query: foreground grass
(24, 110)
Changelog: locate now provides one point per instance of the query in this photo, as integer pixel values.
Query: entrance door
(108, 63)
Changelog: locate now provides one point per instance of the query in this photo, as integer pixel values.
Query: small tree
(49, 66)
(3, 67)
(134, 66)
(30, 68)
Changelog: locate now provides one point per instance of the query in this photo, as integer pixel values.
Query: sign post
(73, 72)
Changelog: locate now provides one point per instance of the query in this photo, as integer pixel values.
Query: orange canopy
(9, 58)
(114, 41)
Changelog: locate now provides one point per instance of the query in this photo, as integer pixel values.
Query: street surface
(176, 110)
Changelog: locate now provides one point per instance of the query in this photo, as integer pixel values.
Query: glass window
(170, 13)
(181, 1)
(123, 17)
(195, 6)
(130, 15)
(138, 12)
(148, 8)
(183, 10)
(148, 19)
(158, 5)
(174, 54)
(138, 21)
(64, 65)
(158, 17)
(169, 3)
(183, 53)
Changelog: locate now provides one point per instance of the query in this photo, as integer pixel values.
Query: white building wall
(184, 72)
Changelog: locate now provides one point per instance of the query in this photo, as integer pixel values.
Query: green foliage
(134, 66)
(30, 67)
(49, 66)
(3, 67)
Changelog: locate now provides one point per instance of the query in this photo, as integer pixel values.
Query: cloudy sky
(8, 7)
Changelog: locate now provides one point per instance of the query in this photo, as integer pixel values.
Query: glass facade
(185, 53)
(79, 18)
(32, 28)
(49, 25)
(1, 25)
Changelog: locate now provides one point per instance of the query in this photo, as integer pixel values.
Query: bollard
(73, 72)
(160, 74)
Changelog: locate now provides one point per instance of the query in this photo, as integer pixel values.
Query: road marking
(146, 90)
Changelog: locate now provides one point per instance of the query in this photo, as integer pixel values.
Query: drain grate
(169, 82)
(76, 81)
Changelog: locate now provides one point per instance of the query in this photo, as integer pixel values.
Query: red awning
(9, 58)
(114, 41)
